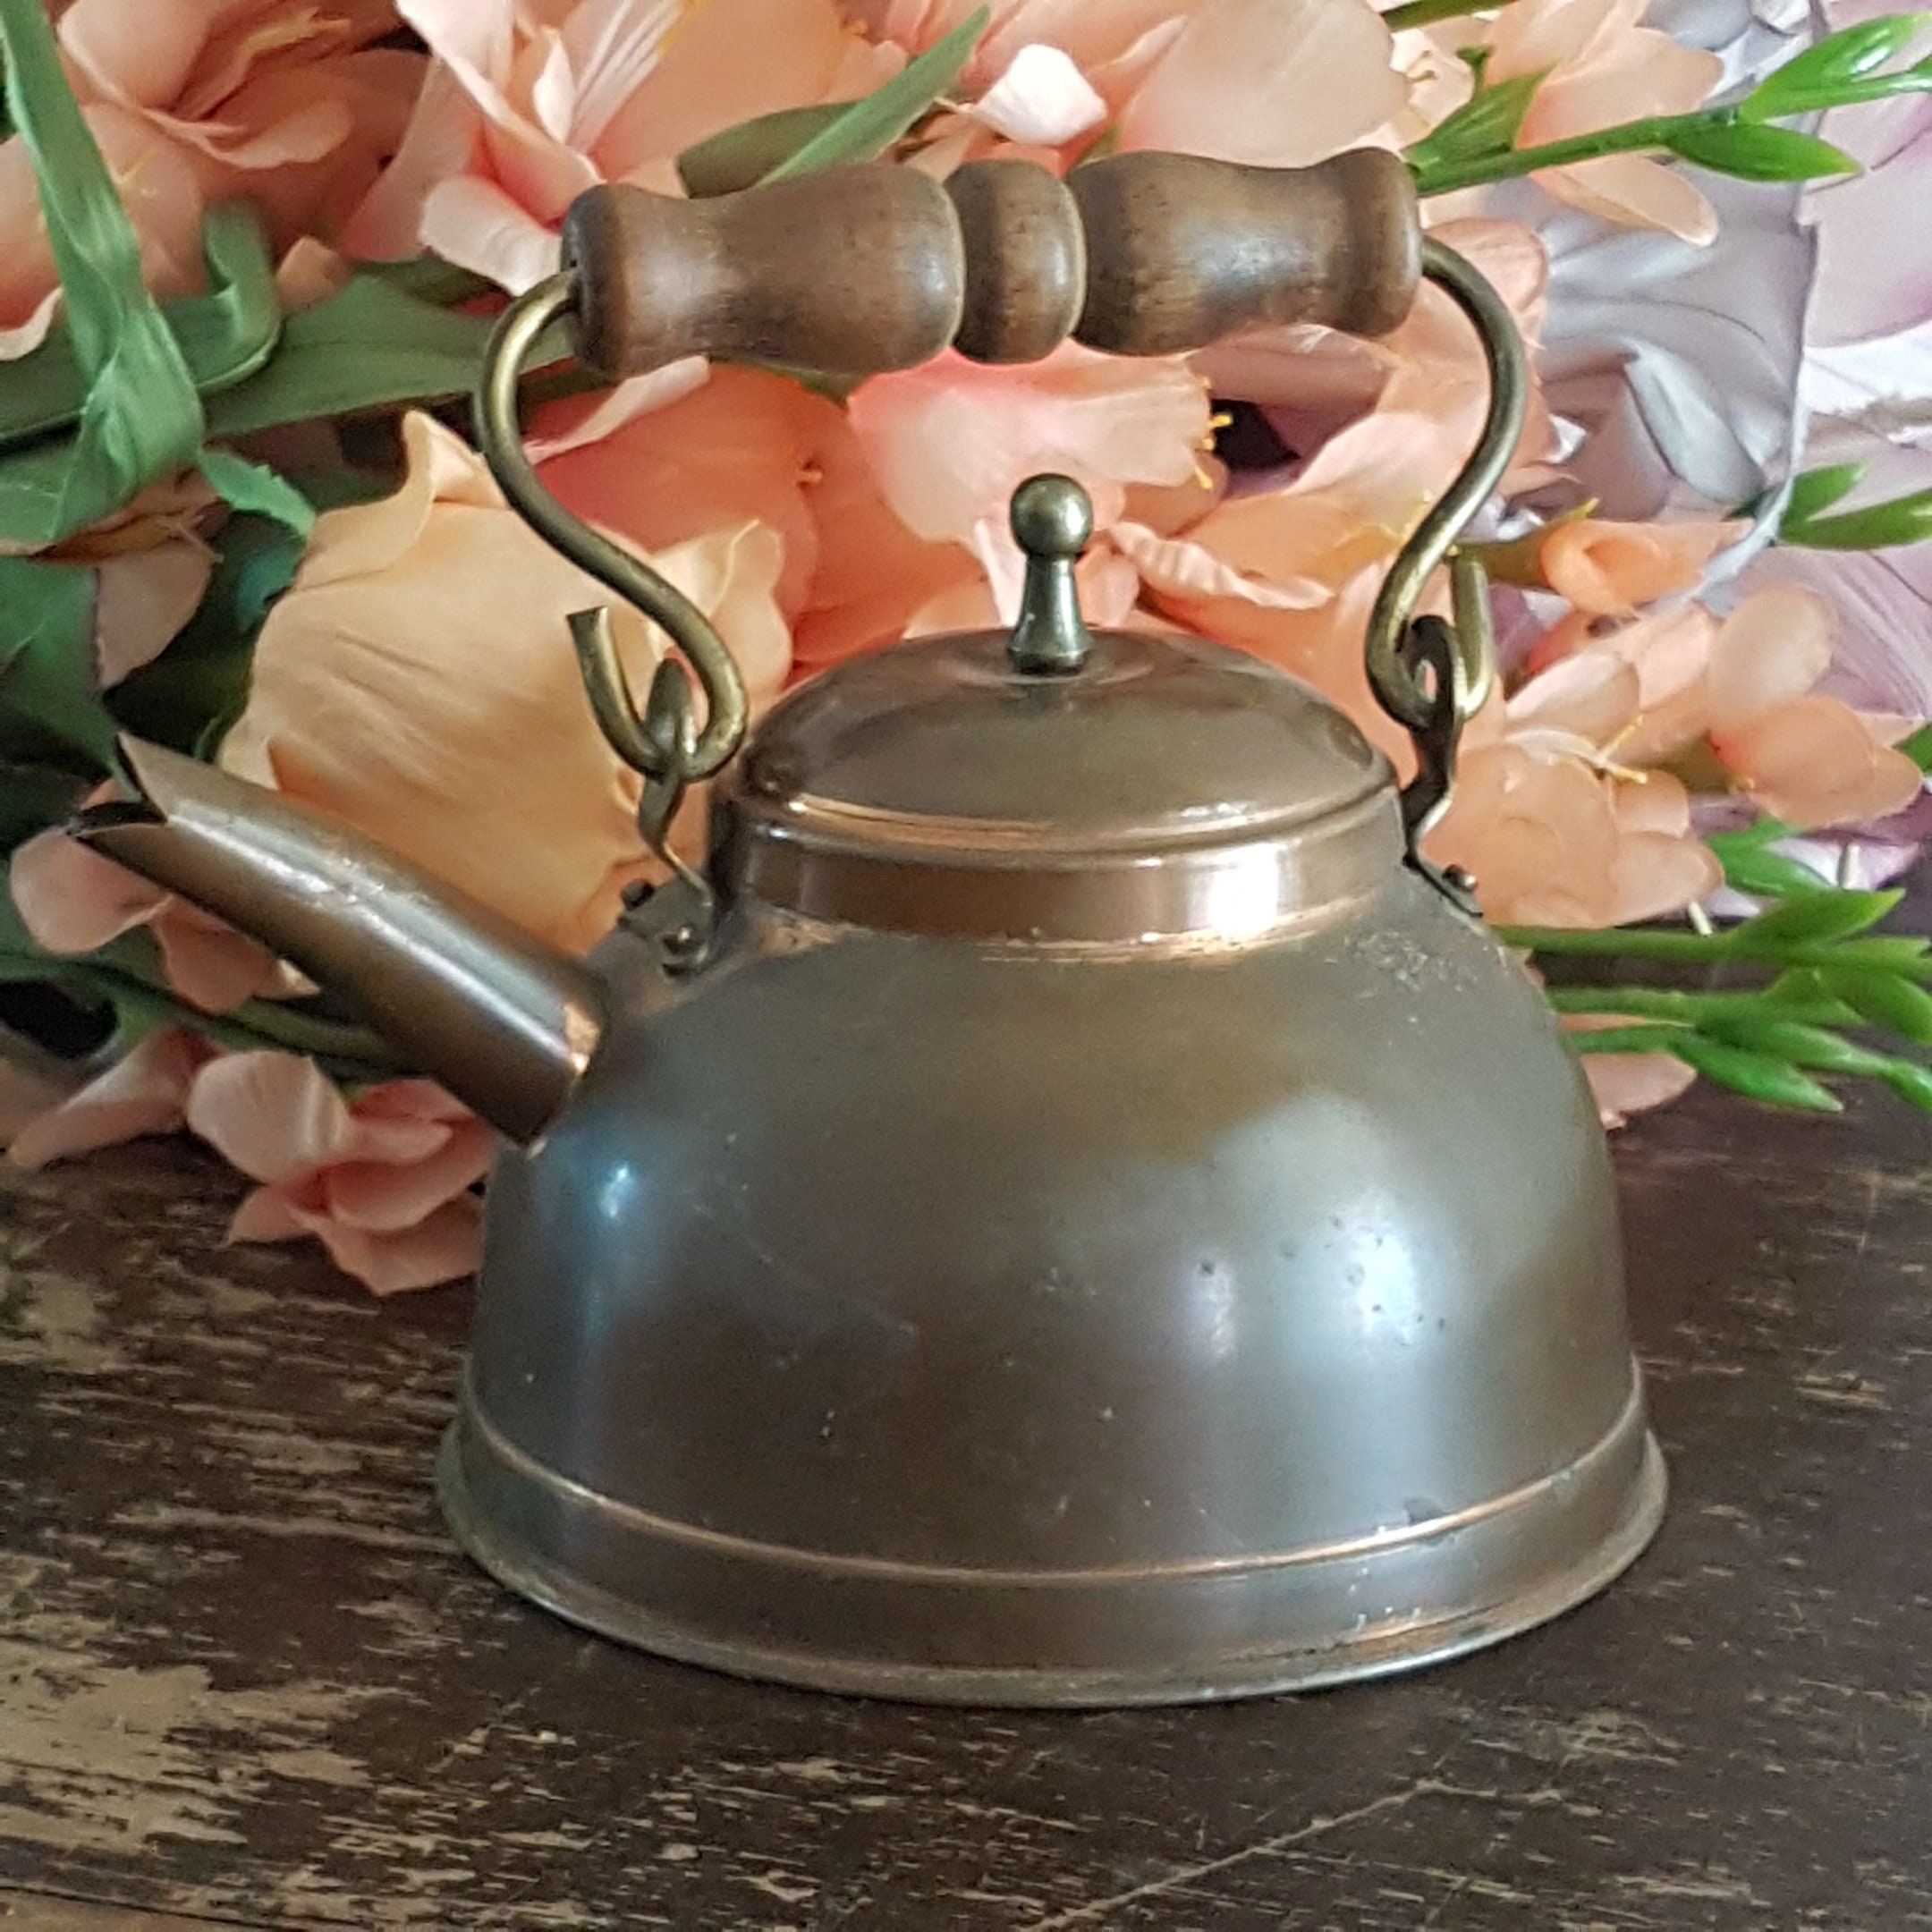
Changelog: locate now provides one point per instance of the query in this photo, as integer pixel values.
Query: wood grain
(246, 1678)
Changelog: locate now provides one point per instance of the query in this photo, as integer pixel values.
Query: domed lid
(1058, 785)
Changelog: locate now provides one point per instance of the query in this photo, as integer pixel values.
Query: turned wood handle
(1183, 252)
(853, 271)
(875, 268)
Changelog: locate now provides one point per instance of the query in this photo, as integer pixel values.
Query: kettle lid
(1054, 784)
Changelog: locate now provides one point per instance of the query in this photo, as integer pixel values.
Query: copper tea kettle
(1066, 1205)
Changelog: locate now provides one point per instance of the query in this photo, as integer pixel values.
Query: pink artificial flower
(1556, 831)
(144, 1092)
(1626, 1083)
(384, 1182)
(162, 191)
(1291, 572)
(950, 440)
(1278, 83)
(72, 901)
(282, 101)
(749, 445)
(1747, 687)
(525, 108)
(1604, 69)
(416, 682)
(1607, 570)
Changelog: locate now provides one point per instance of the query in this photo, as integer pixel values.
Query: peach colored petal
(1812, 763)
(26, 336)
(433, 701)
(440, 142)
(446, 1246)
(72, 900)
(616, 409)
(478, 226)
(163, 195)
(1623, 1084)
(1607, 568)
(309, 273)
(141, 599)
(1279, 83)
(1592, 696)
(742, 445)
(949, 442)
(210, 964)
(384, 1197)
(1652, 802)
(1190, 573)
(1772, 648)
(139, 56)
(1635, 192)
(1655, 874)
(703, 82)
(1042, 96)
(274, 1115)
(141, 1093)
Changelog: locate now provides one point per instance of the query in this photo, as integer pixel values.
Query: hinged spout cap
(503, 1021)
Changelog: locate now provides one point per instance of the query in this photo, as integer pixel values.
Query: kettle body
(972, 1317)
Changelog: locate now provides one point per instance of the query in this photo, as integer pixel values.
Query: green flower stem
(1635, 137)
(1427, 12)
(1696, 1009)
(1624, 1039)
(248, 1029)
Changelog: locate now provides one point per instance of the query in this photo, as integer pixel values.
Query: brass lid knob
(1051, 520)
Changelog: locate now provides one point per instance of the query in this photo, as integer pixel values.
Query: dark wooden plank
(247, 1678)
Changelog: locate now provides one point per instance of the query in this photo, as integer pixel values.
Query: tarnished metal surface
(506, 1023)
(971, 1322)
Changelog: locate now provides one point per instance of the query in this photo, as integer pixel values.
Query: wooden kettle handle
(1183, 252)
(873, 268)
(853, 271)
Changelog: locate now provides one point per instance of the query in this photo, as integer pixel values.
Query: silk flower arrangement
(253, 247)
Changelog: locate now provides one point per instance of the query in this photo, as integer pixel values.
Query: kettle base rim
(1277, 1624)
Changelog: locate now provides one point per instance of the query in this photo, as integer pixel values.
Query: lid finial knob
(1052, 519)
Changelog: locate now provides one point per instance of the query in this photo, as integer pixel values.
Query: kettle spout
(506, 1023)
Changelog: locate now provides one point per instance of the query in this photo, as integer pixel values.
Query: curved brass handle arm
(1432, 676)
(501, 439)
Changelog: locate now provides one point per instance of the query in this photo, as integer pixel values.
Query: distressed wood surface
(247, 1679)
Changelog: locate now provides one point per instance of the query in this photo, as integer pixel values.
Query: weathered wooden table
(247, 1679)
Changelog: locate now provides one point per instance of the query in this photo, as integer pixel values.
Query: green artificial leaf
(1753, 153)
(1792, 1040)
(254, 487)
(1882, 999)
(141, 419)
(1758, 1076)
(51, 712)
(33, 797)
(1750, 867)
(1911, 1082)
(867, 128)
(1820, 489)
(224, 336)
(1917, 748)
(743, 155)
(371, 346)
(1485, 125)
(1903, 520)
(1842, 70)
(428, 278)
(189, 695)
(1813, 919)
